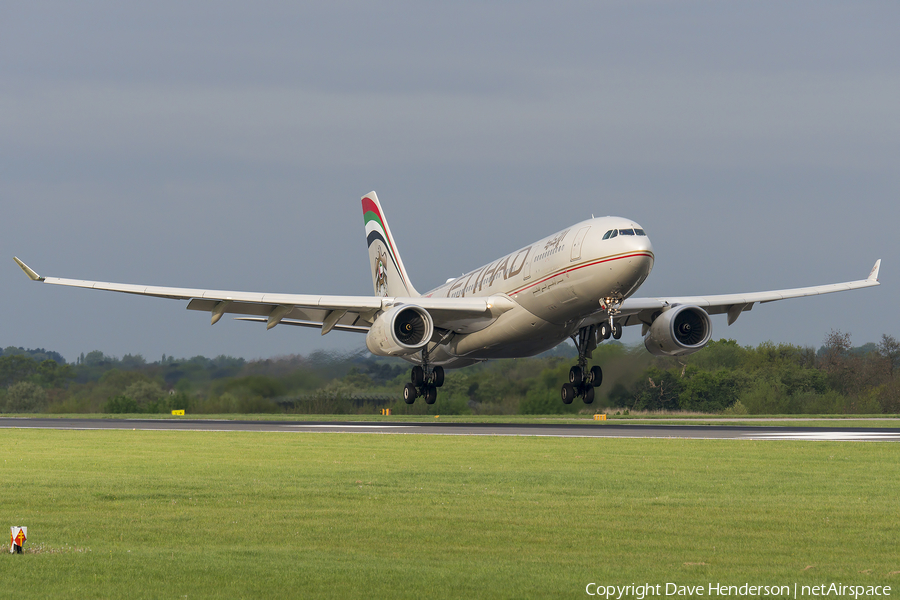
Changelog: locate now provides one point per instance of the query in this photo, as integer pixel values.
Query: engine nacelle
(680, 330)
(400, 330)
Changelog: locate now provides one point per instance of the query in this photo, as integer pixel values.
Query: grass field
(879, 421)
(141, 514)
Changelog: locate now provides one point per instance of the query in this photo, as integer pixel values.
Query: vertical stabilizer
(388, 273)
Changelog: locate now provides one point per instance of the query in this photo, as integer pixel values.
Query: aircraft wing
(641, 311)
(341, 313)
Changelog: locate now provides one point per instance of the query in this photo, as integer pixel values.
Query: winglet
(28, 270)
(873, 276)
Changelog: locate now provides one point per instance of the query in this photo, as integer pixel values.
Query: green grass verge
(140, 514)
(890, 421)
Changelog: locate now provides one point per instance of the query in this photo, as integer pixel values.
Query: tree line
(724, 377)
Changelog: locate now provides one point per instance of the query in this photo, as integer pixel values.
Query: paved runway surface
(598, 429)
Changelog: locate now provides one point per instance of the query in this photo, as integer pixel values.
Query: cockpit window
(614, 232)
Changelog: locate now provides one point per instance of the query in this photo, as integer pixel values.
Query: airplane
(577, 283)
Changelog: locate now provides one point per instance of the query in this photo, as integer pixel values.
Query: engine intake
(400, 330)
(677, 331)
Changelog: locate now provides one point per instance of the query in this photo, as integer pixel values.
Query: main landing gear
(424, 381)
(582, 380)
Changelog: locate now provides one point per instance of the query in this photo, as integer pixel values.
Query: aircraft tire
(576, 376)
(409, 393)
(588, 394)
(417, 377)
(567, 393)
(438, 376)
(604, 330)
(617, 331)
(596, 376)
(430, 395)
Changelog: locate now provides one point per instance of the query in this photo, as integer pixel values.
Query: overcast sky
(226, 145)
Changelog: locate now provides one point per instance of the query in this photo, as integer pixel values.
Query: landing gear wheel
(582, 381)
(576, 376)
(588, 394)
(418, 376)
(437, 376)
(567, 393)
(430, 395)
(595, 376)
(617, 331)
(605, 331)
(409, 393)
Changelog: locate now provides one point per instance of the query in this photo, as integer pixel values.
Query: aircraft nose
(644, 244)
(640, 243)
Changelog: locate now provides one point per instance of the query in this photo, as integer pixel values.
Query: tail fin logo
(381, 281)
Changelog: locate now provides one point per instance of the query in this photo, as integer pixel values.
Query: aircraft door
(579, 241)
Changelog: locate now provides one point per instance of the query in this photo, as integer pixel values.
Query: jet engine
(400, 331)
(680, 330)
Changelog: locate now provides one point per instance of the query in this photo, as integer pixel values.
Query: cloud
(227, 144)
(602, 118)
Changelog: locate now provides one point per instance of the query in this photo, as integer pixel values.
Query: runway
(598, 430)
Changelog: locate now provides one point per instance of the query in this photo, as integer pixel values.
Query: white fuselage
(556, 284)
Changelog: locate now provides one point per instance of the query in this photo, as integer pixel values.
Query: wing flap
(310, 324)
(267, 309)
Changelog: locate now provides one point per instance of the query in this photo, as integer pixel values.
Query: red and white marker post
(17, 537)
